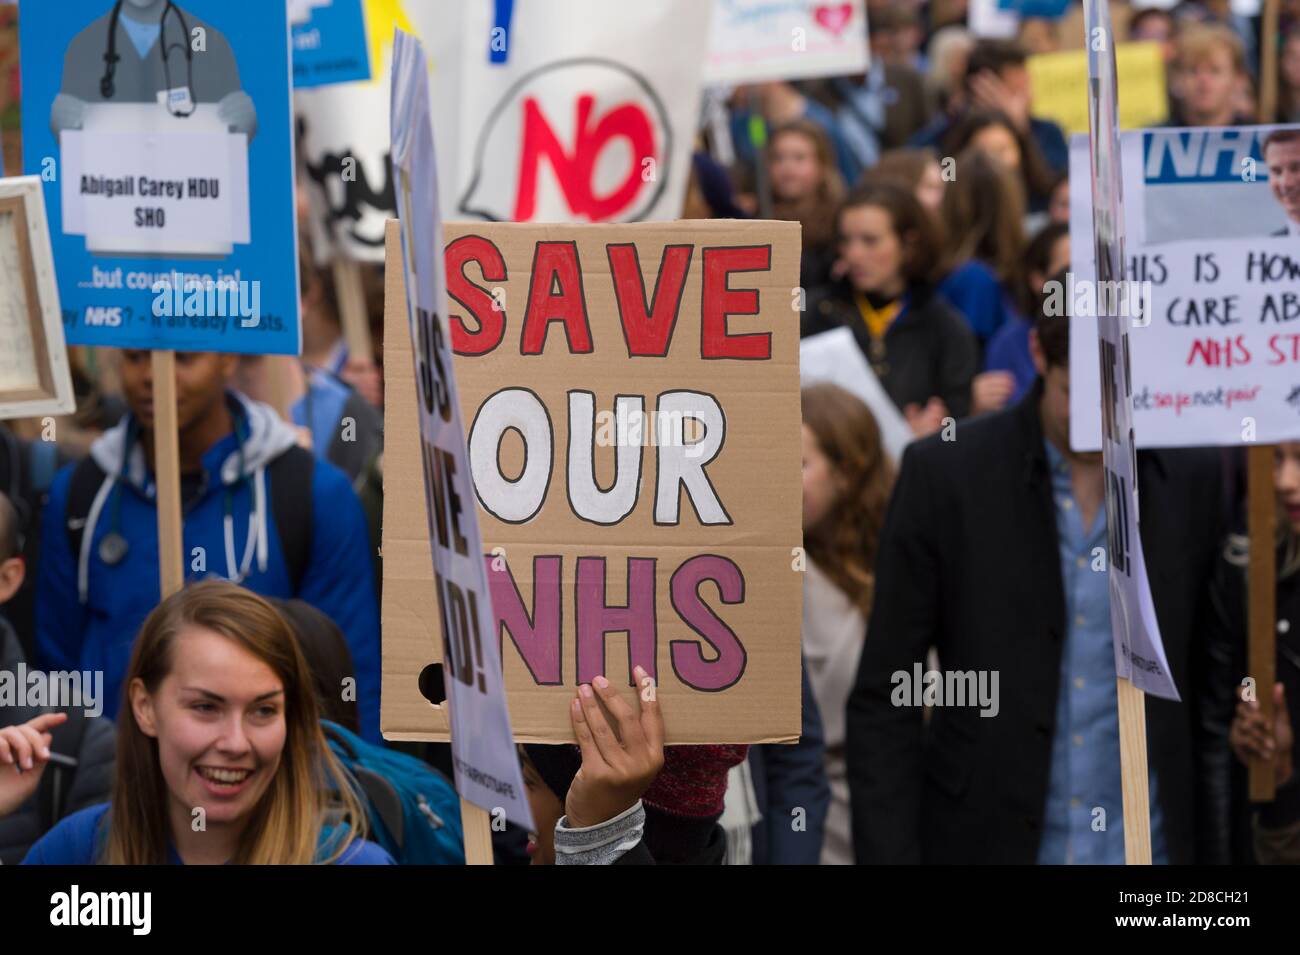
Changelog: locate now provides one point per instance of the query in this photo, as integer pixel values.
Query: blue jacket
(1009, 351)
(974, 290)
(78, 840)
(88, 612)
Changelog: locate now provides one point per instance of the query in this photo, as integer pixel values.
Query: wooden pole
(478, 834)
(167, 473)
(285, 383)
(1133, 773)
(1268, 63)
(353, 318)
(1261, 594)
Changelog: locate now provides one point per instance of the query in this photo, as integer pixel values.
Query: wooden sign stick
(474, 823)
(478, 834)
(351, 297)
(1268, 63)
(1133, 773)
(167, 473)
(1261, 594)
(1261, 654)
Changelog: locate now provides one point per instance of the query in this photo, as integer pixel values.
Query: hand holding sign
(622, 753)
(1251, 736)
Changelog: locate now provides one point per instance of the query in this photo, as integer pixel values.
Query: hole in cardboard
(432, 687)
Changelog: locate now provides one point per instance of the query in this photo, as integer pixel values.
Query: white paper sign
(754, 41)
(486, 764)
(135, 178)
(1219, 361)
(835, 357)
(585, 112)
(1139, 651)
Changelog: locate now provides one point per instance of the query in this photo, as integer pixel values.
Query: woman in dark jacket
(1235, 729)
(917, 345)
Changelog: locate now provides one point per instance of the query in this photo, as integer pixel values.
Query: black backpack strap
(87, 477)
(291, 505)
(55, 785)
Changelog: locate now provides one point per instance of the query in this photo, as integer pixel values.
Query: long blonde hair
(287, 822)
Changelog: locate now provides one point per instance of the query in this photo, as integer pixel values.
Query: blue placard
(167, 230)
(1047, 9)
(331, 46)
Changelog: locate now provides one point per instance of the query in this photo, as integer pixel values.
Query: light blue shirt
(1085, 773)
(143, 35)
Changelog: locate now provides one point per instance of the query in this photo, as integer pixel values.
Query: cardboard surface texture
(727, 594)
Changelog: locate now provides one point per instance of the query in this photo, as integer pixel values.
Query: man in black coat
(970, 564)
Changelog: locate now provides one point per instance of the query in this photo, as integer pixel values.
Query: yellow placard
(1060, 87)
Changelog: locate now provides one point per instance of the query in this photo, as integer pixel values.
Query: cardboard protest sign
(578, 110)
(1060, 87)
(485, 762)
(1214, 306)
(165, 145)
(754, 41)
(634, 433)
(329, 42)
(34, 377)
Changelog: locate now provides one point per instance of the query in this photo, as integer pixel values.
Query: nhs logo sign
(1208, 184)
(103, 316)
(1204, 155)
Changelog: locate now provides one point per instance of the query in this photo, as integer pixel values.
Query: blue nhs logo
(1187, 156)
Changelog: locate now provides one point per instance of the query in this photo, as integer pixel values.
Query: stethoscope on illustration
(113, 546)
(108, 84)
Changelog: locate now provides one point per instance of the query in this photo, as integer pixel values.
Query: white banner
(486, 763)
(345, 133)
(1219, 361)
(1139, 651)
(754, 41)
(579, 110)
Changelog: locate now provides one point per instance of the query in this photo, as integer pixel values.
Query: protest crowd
(935, 214)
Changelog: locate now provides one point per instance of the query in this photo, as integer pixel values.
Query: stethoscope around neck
(114, 547)
(108, 82)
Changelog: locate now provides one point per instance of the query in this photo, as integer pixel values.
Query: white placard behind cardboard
(754, 41)
(835, 357)
(483, 752)
(587, 114)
